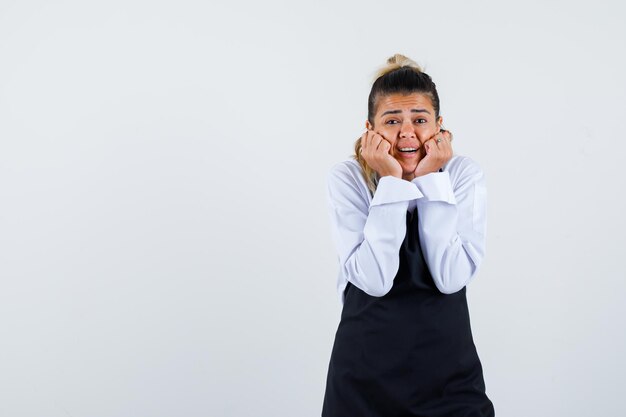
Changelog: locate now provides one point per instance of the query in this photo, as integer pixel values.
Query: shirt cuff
(436, 186)
(392, 189)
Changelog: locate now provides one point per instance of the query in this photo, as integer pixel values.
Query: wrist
(422, 173)
(390, 174)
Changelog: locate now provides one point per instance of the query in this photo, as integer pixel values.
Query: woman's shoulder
(347, 177)
(462, 164)
(462, 167)
(348, 169)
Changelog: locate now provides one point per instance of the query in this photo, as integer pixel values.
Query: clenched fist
(438, 153)
(375, 149)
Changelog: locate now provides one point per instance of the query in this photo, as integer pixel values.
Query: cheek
(386, 128)
(426, 132)
(389, 133)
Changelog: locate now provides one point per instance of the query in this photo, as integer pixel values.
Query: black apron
(408, 353)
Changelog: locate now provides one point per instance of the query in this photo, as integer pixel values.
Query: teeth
(408, 149)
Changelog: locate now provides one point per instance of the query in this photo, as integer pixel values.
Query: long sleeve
(367, 232)
(452, 223)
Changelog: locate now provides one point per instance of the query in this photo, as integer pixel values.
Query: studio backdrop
(165, 245)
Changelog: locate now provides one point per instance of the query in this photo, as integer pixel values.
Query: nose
(406, 130)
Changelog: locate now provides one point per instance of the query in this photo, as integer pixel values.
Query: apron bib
(408, 353)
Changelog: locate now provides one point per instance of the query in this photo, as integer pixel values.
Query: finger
(447, 138)
(428, 146)
(444, 148)
(440, 140)
(434, 135)
(381, 135)
(364, 147)
(372, 143)
(431, 143)
(366, 141)
(385, 146)
(447, 134)
(379, 140)
(432, 147)
(362, 144)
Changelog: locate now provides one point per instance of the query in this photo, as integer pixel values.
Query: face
(406, 121)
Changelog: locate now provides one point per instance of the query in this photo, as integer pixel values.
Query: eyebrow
(400, 111)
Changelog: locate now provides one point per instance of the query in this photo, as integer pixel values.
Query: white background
(165, 248)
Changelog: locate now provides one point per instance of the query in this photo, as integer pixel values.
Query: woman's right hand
(375, 150)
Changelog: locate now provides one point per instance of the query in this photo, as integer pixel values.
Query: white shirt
(368, 232)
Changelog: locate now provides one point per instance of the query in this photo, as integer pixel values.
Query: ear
(368, 126)
(439, 122)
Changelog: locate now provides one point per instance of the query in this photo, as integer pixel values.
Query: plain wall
(165, 248)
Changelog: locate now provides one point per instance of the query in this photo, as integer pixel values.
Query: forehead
(404, 102)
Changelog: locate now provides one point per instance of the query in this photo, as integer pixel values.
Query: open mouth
(407, 152)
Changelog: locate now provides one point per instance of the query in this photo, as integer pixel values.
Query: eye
(391, 122)
(421, 121)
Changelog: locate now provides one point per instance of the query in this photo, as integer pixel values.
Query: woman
(408, 221)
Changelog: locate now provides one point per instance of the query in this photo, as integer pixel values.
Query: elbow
(379, 291)
(452, 283)
(382, 281)
(373, 278)
(452, 277)
(373, 284)
(450, 289)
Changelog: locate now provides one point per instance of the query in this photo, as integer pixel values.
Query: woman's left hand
(437, 153)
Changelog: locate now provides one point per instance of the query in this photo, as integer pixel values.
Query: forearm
(453, 260)
(373, 264)
(368, 234)
(452, 224)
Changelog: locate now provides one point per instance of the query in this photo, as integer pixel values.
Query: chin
(409, 168)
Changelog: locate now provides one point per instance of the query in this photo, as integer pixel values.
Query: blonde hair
(395, 62)
(386, 83)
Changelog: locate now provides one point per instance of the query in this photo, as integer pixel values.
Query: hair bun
(398, 61)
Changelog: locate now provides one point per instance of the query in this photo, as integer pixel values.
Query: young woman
(408, 221)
